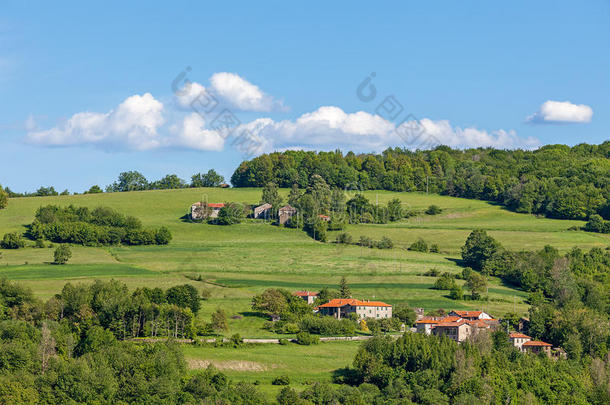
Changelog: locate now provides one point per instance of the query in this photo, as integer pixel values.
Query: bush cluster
(101, 226)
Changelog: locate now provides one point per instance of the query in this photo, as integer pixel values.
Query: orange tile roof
(536, 343)
(518, 335)
(216, 205)
(427, 319)
(340, 302)
(479, 323)
(305, 294)
(451, 318)
(469, 314)
(452, 324)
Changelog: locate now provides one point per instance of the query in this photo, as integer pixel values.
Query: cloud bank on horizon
(141, 122)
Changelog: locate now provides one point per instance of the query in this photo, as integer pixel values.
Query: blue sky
(86, 90)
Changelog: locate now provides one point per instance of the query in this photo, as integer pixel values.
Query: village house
(263, 211)
(285, 213)
(308, 296)
(471, 315)
(201, 210)
(537, 346)
(342, 307)
(325, 218)
(458, 330)
(518, 339)
(455, 326)
(425, 325)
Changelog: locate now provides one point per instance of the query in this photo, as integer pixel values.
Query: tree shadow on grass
(345, 375)
(459, 262)
(254, 314)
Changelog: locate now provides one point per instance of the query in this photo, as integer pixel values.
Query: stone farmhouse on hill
(285, 213)
(525, 344)
(343, 307)
(202, 210)
(263, 211)
(308, 296)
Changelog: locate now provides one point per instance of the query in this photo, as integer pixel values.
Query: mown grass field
(236, 262)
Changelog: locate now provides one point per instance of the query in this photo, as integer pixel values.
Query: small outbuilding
(285, 213)
(263, 211)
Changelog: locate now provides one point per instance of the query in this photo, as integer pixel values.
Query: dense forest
(555, 180)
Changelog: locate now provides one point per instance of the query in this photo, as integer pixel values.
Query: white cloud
(331, 127)
(229, 89)
(189, 93)
(242, 94)
(191, 134)
(561, 112)
(133, 124)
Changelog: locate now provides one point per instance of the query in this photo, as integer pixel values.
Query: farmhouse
(455, 326)
(202, 210)
(518, 339)
(458, 330)
(471, 315)
(342, 307)
(308, 296)
(426, 324)
(537, 346)
(285, 213)
(325, 218)
(263, 211)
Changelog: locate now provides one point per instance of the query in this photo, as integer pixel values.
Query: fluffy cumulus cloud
(559, 112)
(191, 133)
(330, 127)
(230, 90)
(133, 124)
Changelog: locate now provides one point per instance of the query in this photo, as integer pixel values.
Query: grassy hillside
(239, 261)
(244, 259)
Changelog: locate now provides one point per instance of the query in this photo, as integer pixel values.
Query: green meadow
(235, 262)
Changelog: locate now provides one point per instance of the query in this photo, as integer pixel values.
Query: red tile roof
(341, 302)
(469, 314)
(452, 324)
(305, 294)
(516, 335)
(479, 323)
(216, 205)
(427, 319)
(536, 343)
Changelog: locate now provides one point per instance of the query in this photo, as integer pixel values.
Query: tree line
(126, 181)
(555, 180)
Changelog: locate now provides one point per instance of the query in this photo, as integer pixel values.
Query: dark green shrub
(62, 254)
(12, 240)
(434, 210)
(419, 246)
(365, 241)
(306, 339)
(344, 238)
(163, 236)
(281, 380)
(434, 248)
(385, 243)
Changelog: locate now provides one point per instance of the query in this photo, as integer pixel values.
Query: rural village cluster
(456, 325)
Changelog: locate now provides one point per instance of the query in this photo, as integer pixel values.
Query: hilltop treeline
(556, 180)
(128, 181)
(100, 226)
